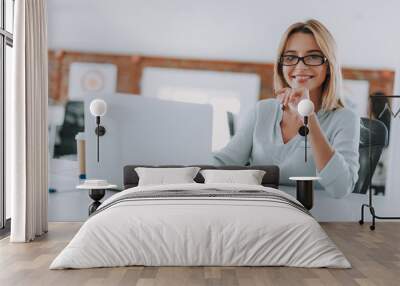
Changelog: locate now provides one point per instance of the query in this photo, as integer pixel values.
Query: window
(6, 44)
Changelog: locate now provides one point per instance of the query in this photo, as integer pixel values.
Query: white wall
(367, 33)
(366, 30)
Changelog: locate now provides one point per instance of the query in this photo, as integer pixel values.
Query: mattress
(201, 225)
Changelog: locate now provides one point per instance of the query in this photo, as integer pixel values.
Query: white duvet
(199, 231)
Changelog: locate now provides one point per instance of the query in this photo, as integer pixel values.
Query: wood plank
(375, 257)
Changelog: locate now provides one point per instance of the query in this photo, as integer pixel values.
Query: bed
(199, 224)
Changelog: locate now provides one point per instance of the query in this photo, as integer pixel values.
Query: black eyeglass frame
(324, 60)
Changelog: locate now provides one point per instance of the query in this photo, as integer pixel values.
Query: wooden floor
(375, 257)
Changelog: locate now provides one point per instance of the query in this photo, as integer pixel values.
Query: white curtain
(27, 123)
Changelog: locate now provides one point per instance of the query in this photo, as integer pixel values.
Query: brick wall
(130, 69)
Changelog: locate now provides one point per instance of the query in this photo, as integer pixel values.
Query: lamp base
(305, 190)
(303, 130)
(305, 193)
(100, 130)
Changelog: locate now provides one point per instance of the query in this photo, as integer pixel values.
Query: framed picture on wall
(89, 78)
(355, 96)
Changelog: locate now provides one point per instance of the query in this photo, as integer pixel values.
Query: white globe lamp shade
(98, 107)
(305, 107)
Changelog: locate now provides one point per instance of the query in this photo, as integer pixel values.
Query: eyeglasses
(310, 60)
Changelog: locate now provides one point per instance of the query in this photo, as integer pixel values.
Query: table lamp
(98, 108)
(305, 109)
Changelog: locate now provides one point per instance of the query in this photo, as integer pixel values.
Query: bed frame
(270, 179)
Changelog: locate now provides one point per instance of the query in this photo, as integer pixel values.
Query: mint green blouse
(259, 142)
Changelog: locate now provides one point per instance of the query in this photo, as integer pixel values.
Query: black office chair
(231, 123)
(379, 140)
(74, 122)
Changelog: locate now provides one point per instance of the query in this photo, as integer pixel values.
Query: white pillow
(249, 177)
(165, 176)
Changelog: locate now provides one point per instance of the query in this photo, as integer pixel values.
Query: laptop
(148, 131)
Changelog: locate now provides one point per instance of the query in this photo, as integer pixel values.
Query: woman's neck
(316, 98)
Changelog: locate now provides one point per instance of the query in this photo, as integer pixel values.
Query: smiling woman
(306, 67)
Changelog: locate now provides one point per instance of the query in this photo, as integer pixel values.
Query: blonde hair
(331, 89)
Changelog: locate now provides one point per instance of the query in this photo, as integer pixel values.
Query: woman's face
(301, 75)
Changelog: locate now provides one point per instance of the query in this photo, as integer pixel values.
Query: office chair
(73, 124)
(379, 140)
(231, 123)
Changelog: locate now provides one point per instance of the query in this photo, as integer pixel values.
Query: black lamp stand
(100, 131)
(303, 131)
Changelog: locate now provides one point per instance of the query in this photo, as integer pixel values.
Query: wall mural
(73, 74)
